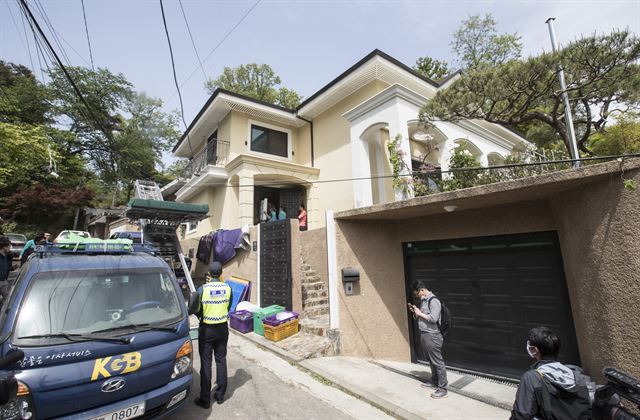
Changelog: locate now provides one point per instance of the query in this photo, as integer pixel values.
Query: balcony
(215, 154)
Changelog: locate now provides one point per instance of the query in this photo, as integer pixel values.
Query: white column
(399, 126)
(245, 198)
(258, 279)
(360, 159)
(332, 270)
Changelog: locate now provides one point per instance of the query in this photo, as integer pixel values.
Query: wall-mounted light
(450, 208)
(421, 135)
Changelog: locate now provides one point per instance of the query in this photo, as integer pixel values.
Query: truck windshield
(95, 302)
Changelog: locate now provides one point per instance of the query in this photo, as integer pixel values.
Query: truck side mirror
(193, 302)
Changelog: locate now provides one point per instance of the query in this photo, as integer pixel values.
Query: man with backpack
(550, 390)
(429, 316)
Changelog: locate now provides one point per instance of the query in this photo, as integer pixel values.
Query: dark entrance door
(497, 288)
(290, 198)
(275, 264)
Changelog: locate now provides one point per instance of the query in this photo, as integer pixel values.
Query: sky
(308, 43)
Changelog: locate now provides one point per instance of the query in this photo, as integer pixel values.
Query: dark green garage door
(497, 288)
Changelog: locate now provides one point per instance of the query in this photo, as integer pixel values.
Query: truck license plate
(124, 413)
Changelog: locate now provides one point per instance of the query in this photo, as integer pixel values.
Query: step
(308, 346)
(315, 326)
(314, 294)
(316, 285)
(310, 279)
(315, 312)
(315, 302)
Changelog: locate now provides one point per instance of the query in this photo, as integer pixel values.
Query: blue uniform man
(213, 335)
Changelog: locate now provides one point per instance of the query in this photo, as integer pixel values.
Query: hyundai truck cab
(104, 331)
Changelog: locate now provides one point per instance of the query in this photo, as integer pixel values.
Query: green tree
(130, 134)
(477, 43)
(22, 98)
(258, 81)
(601, 71)
(23, 156)
(431, 68)
(618, 139)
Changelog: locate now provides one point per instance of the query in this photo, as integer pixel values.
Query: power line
(86, 29)
(58, 36)
(40, 10)
(48, 48)
(22, 41)
(184, 15)
(175, 78)
(64, 69)
(35, 41)
(217, 46)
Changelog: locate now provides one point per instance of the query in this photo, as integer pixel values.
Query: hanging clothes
(225, 244)
(206, 248)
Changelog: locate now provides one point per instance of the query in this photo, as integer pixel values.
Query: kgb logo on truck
(116, 365)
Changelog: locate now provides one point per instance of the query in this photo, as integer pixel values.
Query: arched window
(495, 159)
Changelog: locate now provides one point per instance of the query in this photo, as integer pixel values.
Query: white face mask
(529, 351)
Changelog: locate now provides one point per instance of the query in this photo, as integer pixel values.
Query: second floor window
(267, 140)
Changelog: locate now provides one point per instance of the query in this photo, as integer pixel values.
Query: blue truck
(105, 333)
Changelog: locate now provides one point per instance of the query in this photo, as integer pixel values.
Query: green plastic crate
(258, 315)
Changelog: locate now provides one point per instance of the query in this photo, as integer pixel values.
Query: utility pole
(573, 145)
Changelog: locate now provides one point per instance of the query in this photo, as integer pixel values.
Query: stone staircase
(315, 302)
(314, 320)
(316, 338)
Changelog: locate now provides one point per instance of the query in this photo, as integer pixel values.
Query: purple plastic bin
(241, 321)
(285, 316)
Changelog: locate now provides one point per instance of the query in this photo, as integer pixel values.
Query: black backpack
(444, 323)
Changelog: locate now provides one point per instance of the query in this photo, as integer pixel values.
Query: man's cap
(215, 268)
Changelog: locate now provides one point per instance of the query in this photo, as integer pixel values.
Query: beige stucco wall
(598, 225)
(223, 205)
(313, 250)
(599, 228)
(332, 155)
(332, 147)
(373, 321)
(239, 134)
(224, 128)
(206, 225)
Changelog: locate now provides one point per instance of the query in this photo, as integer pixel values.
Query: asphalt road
(256, 393)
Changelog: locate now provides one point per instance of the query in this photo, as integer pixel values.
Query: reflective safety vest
(215, 302)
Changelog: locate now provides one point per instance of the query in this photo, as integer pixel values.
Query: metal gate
(497, 288)
(275, 264)
(291, 200)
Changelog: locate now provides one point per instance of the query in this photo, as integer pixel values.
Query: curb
(265, 344)
(478, 397)
(374, 400)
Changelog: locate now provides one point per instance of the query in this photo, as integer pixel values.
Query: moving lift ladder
(159, 221)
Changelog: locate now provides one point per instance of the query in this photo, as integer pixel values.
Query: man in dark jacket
(550, 390)
(5, 258)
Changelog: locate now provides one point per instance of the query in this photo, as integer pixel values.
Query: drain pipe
(311, 127)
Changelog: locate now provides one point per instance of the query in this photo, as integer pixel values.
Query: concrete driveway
(263, 386)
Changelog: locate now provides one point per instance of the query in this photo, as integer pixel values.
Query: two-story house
(330, 153)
